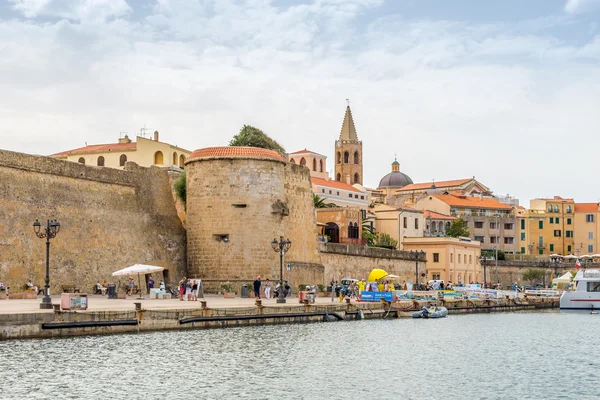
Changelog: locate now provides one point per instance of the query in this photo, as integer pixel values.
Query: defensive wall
(510, 272)
(347, 260)
(110, 219)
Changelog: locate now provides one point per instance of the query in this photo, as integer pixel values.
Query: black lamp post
(282, 247)
(484, 264)
(416, 255)
(49, 232)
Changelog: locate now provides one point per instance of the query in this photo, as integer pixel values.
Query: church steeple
(348, 129)
(349, 157)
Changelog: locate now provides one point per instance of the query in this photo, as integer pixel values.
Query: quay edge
(78, 323)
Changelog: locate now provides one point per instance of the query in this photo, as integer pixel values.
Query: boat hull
(580, 301)
(440, 312)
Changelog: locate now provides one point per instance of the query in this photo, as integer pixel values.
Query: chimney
(156, 136)
(124, 140)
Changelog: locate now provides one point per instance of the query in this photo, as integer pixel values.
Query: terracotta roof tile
(333, 184)
(434, 215)
(472, 202)
(586, 207)
(234, 152)
(98, 148)
(438, 185)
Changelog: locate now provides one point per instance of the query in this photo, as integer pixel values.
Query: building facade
(550, 226)
(315, 162)
(454, 260)
(144, 152)
(398, 222)
(587, 229)
(491, 223)
(341, 224)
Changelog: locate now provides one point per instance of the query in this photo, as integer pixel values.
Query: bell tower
(348, 153)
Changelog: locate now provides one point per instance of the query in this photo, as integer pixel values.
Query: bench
(70, 289)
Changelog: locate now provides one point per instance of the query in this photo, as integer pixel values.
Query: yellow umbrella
(376, 275)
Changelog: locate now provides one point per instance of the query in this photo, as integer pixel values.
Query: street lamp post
(282, 247)
(542, 265)
(416, 255)
(484, 263)
(49, 232)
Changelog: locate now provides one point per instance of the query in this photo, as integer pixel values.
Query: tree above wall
(254, 137)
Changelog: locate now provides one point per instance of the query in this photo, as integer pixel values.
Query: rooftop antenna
(143, 131)
(121, 134)
(348, 101)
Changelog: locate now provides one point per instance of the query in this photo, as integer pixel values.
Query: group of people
(257, 285)
(188, 289)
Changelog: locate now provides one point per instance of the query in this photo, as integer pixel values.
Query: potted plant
(228, 292)
(321, 287)
(3, 293)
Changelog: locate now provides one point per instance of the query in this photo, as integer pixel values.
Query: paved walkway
(102, 303)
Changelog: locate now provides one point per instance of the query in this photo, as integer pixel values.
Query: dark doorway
(333, 231)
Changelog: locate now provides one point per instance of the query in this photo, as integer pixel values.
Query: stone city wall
(110, 219)
(346, 260)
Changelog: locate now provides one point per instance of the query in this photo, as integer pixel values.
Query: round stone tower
(238, 200)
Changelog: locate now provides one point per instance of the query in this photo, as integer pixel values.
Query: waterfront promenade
(102, 303)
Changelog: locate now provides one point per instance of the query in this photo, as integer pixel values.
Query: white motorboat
(586, 295)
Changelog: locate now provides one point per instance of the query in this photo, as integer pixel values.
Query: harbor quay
(21, 319)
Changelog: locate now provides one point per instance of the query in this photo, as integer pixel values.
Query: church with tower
(348, 153)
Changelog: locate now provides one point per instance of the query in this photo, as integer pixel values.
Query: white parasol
(138, 269)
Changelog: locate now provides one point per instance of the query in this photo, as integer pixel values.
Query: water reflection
(516, 355)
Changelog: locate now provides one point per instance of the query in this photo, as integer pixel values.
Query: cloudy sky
(506, 90)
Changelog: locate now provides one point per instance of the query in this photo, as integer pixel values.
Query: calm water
(537, 355)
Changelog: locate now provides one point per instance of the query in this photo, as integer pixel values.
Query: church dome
(395, 179)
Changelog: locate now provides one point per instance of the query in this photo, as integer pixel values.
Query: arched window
(181, 160)
(81, 160)
(333, 231)
(350, 231)
(321, 166)
(314, 164)
(101, 161)
(122, 160)
(158, 158)
(568, 209)
(556, 208)
(356, 178)
(356, 161)
(338, 177)
(447, 226)
(293, 161)
(346, 157)
(174, 158)
(302, 161)
(339, 157)
(549, 207)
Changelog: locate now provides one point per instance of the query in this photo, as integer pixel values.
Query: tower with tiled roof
(348, 153)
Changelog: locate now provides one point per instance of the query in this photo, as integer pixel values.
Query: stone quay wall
(249, 202)
(353, 261)
(110, 219)
(510, 272)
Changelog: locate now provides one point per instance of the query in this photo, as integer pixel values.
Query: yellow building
(341, 224)
(144, 152)
(549, 227)
(587, 229)
(317, 163)
(454, 260)
(398, 222)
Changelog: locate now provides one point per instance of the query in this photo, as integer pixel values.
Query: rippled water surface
(543, 355)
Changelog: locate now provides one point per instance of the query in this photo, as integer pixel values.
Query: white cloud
(452, 99)
(72, 9)
(581, 6)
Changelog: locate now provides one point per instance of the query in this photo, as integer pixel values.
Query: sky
(506, 91)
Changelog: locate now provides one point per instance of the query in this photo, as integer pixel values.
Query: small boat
(586, 295)
(431, 312)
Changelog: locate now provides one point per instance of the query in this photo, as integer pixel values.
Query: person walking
(257, 284)
(181, 285)
(268, 289)
(150, 283)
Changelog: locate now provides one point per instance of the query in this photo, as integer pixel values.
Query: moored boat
(431, 312)
(586, 295)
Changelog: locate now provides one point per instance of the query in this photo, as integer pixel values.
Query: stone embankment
(75, 323)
